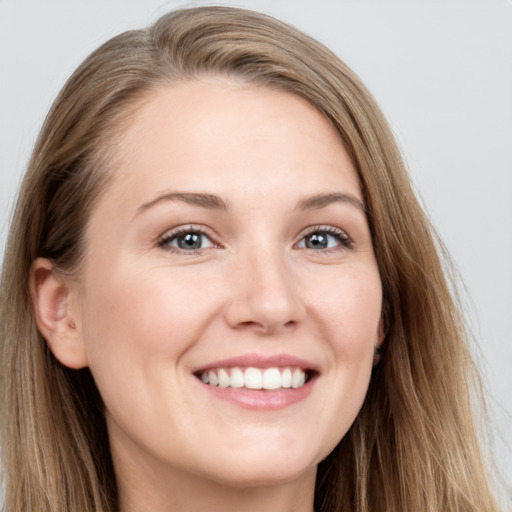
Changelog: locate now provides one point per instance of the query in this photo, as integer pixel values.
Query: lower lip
(259, 399)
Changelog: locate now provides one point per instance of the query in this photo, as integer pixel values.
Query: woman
(222, 291)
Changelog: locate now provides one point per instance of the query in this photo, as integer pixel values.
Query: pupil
(316, 241)
(190, 241)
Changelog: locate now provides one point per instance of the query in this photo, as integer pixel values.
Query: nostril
(249, 324)
(266, 327)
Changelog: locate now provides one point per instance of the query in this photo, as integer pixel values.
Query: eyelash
(341, 236)
(169, 236)
(164, 241)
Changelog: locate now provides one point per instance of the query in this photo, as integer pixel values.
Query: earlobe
(381, 336)
(57, 316)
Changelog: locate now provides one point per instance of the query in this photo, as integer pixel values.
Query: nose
(264, 295)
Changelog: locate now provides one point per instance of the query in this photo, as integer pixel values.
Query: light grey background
(442, 72)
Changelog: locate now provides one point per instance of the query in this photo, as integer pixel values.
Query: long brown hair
(413, 446)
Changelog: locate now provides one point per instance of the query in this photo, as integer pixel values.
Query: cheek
(350, 314)
(132, 320)
(350, 308)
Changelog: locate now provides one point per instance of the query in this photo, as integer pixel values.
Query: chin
(262, 468)
(267, 475)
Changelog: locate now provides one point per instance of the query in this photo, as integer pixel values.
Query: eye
(186, 240)
(324, 238)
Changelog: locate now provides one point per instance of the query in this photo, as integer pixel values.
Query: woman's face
(232, 246)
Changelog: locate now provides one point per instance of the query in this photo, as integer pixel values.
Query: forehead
(222, 134)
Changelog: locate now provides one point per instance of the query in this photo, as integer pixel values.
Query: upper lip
(259, 361)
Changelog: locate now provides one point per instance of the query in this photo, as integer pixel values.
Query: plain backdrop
(441, 71)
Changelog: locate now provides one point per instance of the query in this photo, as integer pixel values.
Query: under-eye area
(257, 378)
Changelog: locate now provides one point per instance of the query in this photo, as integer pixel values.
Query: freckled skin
(150, 314)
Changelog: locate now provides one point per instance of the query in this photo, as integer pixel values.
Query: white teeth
(271, 378)
(286, 378)
(223, 378)
(237, 378)
(255, 378)
(298, 378)
(212, 378)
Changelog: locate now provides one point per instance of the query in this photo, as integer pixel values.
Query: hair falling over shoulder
(414, 445)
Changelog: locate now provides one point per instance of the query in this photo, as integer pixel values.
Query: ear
(381, 336)
(57, 314)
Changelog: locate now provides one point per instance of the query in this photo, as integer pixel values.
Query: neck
(149, 486)
(177, 491)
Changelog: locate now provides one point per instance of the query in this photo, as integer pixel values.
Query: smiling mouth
(255, 378)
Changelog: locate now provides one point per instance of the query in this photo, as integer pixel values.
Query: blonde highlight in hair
(413, 446)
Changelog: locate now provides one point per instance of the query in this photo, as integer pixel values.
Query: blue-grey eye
(319, 240)
(189, 241)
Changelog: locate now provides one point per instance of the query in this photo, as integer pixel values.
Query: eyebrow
(208, 201)
(214, 202)
(322, 200)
